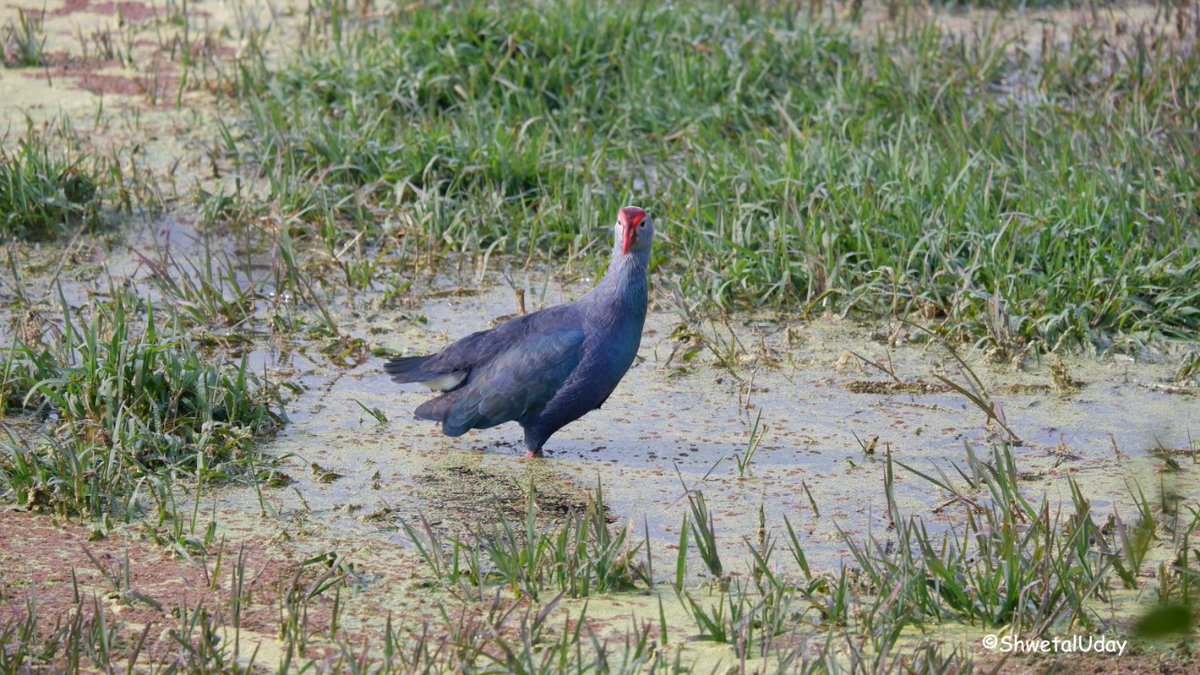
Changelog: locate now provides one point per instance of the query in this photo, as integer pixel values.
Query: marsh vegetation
(920, 368)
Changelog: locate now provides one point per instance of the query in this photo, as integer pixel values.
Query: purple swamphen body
(546, 369)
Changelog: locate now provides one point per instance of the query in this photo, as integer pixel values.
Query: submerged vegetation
(1001, 191)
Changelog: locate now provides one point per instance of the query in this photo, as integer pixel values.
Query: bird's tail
(407, 369)
(435, 409)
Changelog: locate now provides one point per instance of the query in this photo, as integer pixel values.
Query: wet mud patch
(1173, 389)
(883, 387)
(130, 10)
(63, 571)
(1024, 388)
(462, 493)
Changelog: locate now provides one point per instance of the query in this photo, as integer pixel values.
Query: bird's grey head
(635, 230)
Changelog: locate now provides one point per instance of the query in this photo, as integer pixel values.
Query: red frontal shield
(631, 217)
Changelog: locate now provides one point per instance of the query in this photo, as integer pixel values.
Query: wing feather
(517, 382)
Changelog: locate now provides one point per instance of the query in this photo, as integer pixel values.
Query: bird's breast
(618, 345)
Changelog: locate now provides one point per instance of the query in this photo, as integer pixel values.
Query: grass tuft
(23, 40)
(580, 557)
(44, 192)
(116, 403)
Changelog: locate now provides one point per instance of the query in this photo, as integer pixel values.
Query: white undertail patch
(447, 381)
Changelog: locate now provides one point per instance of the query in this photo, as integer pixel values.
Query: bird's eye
(642, 224)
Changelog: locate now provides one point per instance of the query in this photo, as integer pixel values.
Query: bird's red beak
(631, 217)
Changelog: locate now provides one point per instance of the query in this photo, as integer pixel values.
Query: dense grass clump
(43, 192)
(1003, 197)
(119, 403)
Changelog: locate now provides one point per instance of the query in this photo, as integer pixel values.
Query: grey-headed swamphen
(546, 369)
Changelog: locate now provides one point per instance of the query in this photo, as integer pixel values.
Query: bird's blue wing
(516, 382)
(477, 349)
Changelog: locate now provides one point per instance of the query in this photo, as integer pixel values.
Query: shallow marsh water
(671, 427)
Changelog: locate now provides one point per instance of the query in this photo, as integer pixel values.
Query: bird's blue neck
(627, 273)
(624, 287)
